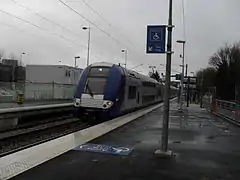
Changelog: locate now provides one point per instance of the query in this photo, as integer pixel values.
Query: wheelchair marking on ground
(106, 149)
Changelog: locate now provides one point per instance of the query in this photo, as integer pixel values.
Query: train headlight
(77, 102)
(107, 104)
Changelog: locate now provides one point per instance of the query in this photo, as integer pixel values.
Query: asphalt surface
(205, 147)
(33, 103)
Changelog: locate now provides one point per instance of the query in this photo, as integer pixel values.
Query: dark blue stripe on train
(81, 83)
(113, 83)
(113, 89)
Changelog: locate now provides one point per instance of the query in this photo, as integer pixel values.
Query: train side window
(67, 73)
(132, 90)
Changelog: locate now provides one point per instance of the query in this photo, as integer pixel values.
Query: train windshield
(96, 81)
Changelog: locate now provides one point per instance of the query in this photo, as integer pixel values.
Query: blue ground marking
(107, 149)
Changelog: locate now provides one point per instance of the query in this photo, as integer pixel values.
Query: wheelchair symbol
(156, 37)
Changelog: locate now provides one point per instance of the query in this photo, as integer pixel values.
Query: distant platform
(33, 103)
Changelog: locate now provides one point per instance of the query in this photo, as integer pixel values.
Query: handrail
(226, 109)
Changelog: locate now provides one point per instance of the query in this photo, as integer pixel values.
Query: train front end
(98, 92)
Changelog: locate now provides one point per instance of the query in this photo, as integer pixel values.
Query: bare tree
(226, 61)
(225, 56)
(155, 75)
(220, 58)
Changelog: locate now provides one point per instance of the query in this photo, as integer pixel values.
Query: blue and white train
(108, 90)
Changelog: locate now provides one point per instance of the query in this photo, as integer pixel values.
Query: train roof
(130, 73)
(141, 76)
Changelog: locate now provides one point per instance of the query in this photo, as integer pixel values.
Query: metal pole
(188, 91)
(167, 82)
(201, 95)
(182, 80)
(75, 65)
(186, 67)
(21, 59)
(89, 38)
(125, 58)
(186, 71)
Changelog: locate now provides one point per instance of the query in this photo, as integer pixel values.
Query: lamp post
(125, 56)
(89, 38)
(23, 53)
(182, 78)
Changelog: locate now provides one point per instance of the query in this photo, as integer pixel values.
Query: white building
(51, 81)
(60, 74)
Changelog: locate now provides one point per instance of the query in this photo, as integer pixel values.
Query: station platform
(205, 147)
(33, 103)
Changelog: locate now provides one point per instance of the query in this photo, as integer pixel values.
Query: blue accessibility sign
(156, 39)
(107, 149)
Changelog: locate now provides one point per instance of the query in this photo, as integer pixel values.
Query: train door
(138, 97)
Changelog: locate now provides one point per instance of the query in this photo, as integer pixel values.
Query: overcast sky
(209, 25)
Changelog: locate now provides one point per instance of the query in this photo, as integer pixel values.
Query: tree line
(155, 75)
(222, 75)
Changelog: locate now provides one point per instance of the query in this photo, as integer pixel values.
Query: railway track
(24, 127)
(19, 139)
(30, 132)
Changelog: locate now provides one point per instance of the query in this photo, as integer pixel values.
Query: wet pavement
(205, 147)
(33, 103)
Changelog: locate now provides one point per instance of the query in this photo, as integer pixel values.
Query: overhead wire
(18, 29)
(91, 22)
(105, 20)
(95, 25)
(15, 28)
(23, 31)
(44, 18)
(23, 20)
(39, 27)
(171, 68)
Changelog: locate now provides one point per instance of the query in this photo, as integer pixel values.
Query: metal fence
(228, 109)
(36, 91)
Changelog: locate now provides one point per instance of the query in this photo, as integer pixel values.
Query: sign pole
(156, 43)
(164, 152)
(167, 82)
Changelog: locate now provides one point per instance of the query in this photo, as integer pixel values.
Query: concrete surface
(33, 103)
(21, 161)
(205, 148)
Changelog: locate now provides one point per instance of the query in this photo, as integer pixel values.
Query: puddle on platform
(181, 142)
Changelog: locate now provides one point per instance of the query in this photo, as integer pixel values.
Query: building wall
(52, 73)
(20, 74)
(10, 62)
(6, 73)
(11, 72)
